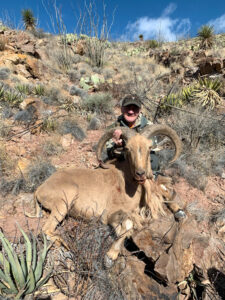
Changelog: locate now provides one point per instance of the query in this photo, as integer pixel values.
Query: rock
(67, 140)
(94, 124)
(80, 47)
(210, 65)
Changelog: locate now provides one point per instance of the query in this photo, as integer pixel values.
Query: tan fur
(115, 194)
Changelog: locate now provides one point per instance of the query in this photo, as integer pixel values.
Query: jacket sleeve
(110, 147)
(113, 151)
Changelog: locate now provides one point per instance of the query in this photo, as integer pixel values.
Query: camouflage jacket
(140, 123)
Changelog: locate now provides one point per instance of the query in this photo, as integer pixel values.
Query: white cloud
(218, 24)
(169, 9)
(163, 27)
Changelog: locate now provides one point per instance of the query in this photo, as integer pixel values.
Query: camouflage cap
(131, 100)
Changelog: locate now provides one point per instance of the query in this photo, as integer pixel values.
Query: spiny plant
(28, 19)
(12, 98)
(152, 44)
(39, 90)
(21, 274)
(1, 92)
(206, 35)
(206, 93)
(210, 83)
(171, 100)
(25, 89)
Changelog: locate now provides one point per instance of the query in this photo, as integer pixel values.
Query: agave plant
(210, 84)
(28, 19)
(206, 35)
(169, 101)
(206, 93)
(187, 92)
(21, 274)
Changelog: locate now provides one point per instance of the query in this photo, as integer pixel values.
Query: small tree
(141, 37)
(28, 19)
(206, 35)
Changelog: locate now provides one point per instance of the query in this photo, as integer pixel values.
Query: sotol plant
(28, 19)
(21, 274)
(206, 35)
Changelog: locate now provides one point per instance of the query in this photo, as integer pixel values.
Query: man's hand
(117, 138)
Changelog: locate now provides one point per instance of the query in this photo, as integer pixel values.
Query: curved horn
(126, 134)
(152, 130)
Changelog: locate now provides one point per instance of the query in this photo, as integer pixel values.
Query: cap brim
(132, 103)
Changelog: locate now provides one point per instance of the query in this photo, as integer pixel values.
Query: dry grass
(3, 43)
(52, 147)
(203, 145)
(6, 162)
(80, 271)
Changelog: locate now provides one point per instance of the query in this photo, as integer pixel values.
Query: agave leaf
(28, 248)
(23, 264)
(14, 262)
(34, 258)
(7, 273)
(44, 280)
(3, 277)
(46, 248)
(31, 284)
(19, 295)
(39, 268)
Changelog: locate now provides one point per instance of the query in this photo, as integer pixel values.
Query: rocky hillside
(57, 95)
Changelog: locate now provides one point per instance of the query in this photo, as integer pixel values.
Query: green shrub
(21, 274)
(38, 171)
(64, 58)
(4, 73)
(99, 103)
(95, 49)
(152, 44)
(25, 89)
(50, 148)
(13, 98)
(39, 90)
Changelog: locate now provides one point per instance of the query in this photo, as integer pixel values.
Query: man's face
(130, 113)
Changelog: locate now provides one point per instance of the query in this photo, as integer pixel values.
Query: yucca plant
(28, 19)
(206, 93)
(21, 274)
(206, 35)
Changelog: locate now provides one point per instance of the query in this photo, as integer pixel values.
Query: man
(133, 118)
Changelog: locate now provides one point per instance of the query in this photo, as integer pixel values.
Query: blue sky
(169, 20)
